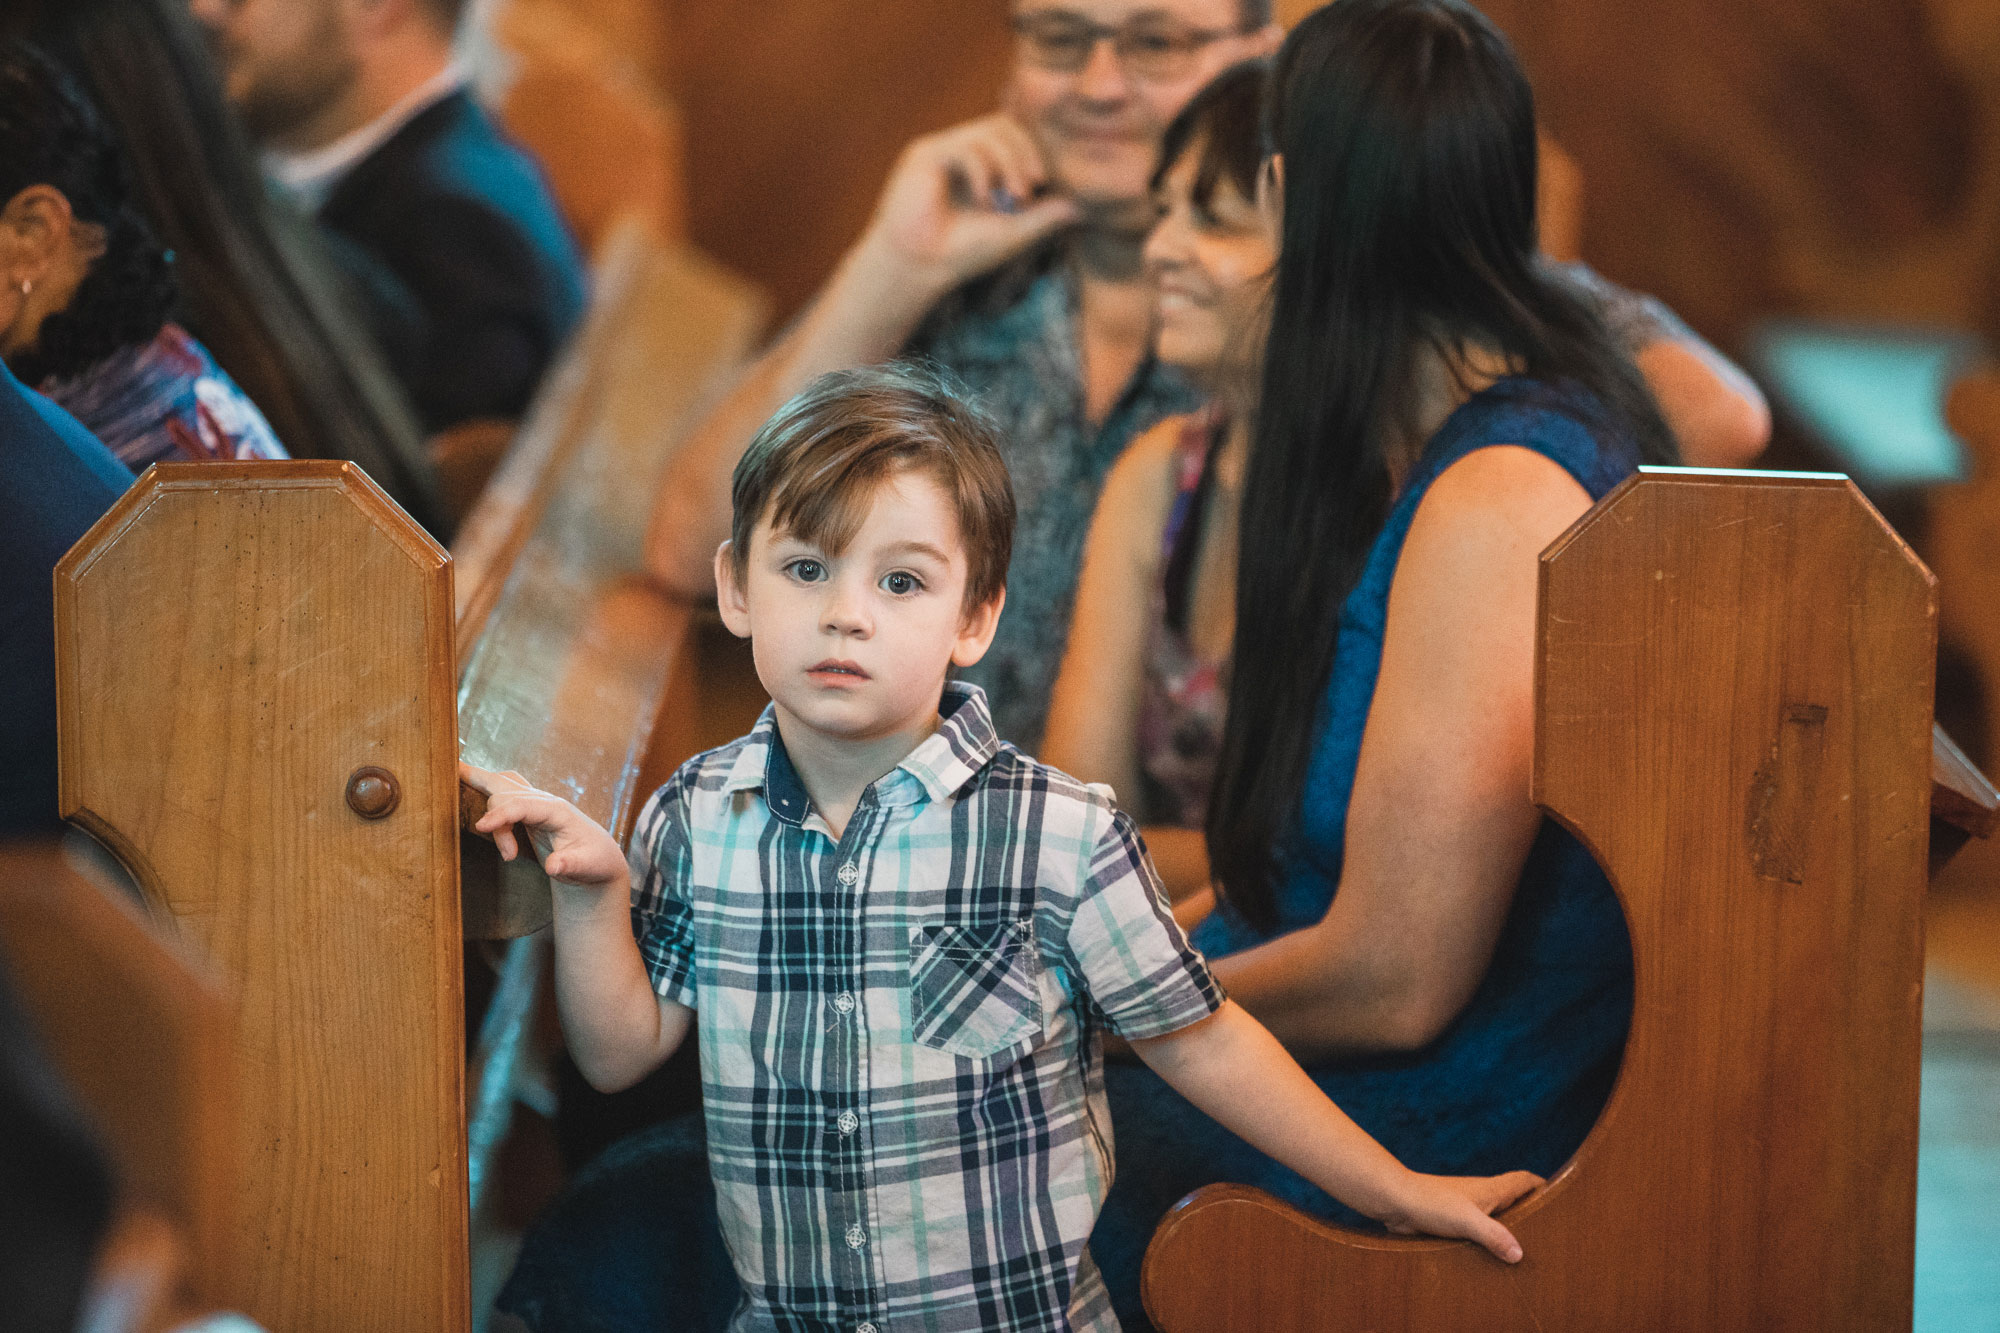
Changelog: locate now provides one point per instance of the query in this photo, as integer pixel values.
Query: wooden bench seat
(1733, 711)
(267, 675)
(143, 1038)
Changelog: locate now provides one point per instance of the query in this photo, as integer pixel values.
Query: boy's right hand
(1461, 1206)
(569, 844)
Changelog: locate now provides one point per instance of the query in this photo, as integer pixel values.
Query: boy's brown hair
(814, 466)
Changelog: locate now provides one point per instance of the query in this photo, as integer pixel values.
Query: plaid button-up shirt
(899, 1027)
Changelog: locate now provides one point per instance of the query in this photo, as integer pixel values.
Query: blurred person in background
(1008, 249)
(1139, 703)
(447, 229)
(256, 289)
(60, 480)
(85, 314)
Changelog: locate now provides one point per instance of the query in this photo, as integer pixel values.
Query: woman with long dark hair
(1435, 409)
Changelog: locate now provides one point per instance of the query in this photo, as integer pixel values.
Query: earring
(27, 286)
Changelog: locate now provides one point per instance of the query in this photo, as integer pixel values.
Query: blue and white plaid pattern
(899, 1028)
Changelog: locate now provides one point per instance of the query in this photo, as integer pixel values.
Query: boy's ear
(729, 598)
(975, 636)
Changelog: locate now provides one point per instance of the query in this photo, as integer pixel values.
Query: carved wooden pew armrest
(1752, 766)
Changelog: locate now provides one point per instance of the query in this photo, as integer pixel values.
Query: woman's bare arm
(1715, 410)
(1093, 727)
(1440, 822)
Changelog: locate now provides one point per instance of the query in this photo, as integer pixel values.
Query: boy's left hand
(1462, 1206)
(570, 845)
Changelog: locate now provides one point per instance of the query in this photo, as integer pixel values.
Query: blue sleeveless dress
(1518, 1079)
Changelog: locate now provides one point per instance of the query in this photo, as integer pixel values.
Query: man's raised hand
(966, 200)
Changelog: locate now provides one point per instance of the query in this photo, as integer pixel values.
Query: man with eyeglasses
(1007, 250)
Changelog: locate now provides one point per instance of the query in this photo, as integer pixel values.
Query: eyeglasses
(1152, 50)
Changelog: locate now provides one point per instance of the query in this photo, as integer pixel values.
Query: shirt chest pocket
(975, 990)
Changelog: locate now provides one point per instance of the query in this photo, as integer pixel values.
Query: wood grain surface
(579, 95)
(234, 640)
(1962, 545)
(1733, 711)
(145, 1039)
(565, 653)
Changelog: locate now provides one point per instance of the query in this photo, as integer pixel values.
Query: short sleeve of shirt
(660, 856)
(1140, 970)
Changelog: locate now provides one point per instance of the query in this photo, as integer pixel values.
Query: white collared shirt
(311, 176)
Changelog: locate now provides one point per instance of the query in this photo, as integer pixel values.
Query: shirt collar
(938, 768)
(311, 176)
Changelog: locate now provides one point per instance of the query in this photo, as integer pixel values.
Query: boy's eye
(806, 571)
(901, 583)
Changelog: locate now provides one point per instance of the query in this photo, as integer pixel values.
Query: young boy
(902, 938)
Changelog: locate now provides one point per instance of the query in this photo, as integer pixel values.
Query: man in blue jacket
(470, 279)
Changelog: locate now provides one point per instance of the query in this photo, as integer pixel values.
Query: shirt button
(848, 873)
(844, 1003)
(856, 1237)
(864, 1327)
(848, 1122)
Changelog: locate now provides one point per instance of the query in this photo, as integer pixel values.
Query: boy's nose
(846, 614)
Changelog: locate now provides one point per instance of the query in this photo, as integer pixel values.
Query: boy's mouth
(833, 670)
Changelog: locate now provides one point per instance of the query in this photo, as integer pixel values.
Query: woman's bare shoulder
(1139, 491)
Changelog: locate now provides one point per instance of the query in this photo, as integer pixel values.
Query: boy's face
(855, 645)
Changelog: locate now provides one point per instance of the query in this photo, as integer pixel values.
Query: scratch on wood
(1779, 812)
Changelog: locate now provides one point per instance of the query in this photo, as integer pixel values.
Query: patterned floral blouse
(165, 401)
(1186, 698)
(1012, 338)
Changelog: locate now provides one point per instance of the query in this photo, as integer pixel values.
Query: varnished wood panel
(579, 93)
(1733, 710)
(234, 641)
(796, 109)
(144, 1038)
(1961, 529)
(1838, 159)
(566, 654)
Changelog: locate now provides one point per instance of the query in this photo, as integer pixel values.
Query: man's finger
(1044, 216)
(1022, 145)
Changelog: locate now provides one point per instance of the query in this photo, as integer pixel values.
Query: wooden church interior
(322, 1053)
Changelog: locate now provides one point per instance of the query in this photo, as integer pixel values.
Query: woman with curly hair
(256, 287)
(85, 312)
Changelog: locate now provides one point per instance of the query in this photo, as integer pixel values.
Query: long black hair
(1407, 133)
(51, 135)
(255, 287)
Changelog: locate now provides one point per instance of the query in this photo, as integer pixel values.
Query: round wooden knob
(372, 792)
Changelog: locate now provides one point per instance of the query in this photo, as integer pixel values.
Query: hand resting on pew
(618, 1030)
(1291, 1120)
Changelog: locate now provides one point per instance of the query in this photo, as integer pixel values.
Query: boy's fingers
(503, 838)
(1497, 1239)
